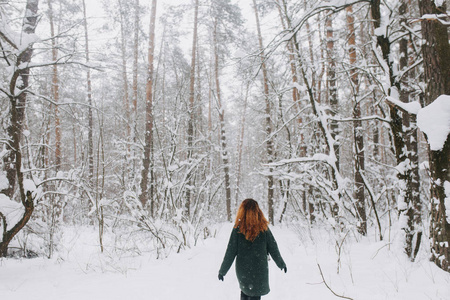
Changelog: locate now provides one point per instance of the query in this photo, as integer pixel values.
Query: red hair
(250, 219)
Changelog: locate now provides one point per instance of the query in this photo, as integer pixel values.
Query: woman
(250, 243)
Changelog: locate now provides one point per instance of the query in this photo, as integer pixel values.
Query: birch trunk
(89, 97)
(222, 135)
(332, 88)
(55, 88)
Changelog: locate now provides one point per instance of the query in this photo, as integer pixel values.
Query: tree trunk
(143, 197)
(412, 211)
(223, 142)
(123, 48)
(13, 160)
(436, 59)
(55, 88)
(385, 45)
(396, 124)
(241, 145)
(89, 96)
(135, 65)
(190, 133)
(269, 144)
(19, 80)
(357, 127)
(311, 56)
(332, 88)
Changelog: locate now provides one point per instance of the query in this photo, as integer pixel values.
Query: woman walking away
(250, 243)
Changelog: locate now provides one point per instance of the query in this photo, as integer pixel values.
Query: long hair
(250, 219)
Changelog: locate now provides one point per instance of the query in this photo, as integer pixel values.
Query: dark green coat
(252, 267)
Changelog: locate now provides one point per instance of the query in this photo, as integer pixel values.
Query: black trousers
(245, 297)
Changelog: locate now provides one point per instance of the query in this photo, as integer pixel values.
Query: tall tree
(357, 126)
(17, 94)
(331, 83)
(55, 87)
(123, 48)
(240, 145)
(143, 197)
(224, 15)
(190, 133)
(283, 10)
(135, 62)
(89, 97)
(436, 59)
(285, 20)
(221, 110)
(411, 212)
(268, 119)
(399, 136)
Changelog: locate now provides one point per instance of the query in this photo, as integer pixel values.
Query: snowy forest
(131, 131)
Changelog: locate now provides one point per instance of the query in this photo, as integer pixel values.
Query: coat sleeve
(230, 254)
(272, 249)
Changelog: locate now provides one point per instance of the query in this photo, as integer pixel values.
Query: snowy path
(192, 275)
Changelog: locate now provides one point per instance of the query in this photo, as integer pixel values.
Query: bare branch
(8, 40)
(328, 287)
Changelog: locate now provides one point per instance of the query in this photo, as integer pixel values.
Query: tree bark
(143, 197)
(436, 58)
(412, 211)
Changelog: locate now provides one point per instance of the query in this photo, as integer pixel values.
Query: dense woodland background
(159, 118)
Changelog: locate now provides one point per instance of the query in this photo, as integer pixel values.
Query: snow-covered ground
(367, 271)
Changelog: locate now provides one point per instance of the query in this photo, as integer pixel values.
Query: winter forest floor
(368, 270)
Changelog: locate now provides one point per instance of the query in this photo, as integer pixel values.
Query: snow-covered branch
(410, 107)
(436, 17)
(318, 157)
(332, 7)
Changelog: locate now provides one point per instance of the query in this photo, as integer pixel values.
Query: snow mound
(434, 121)
(11, 210)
